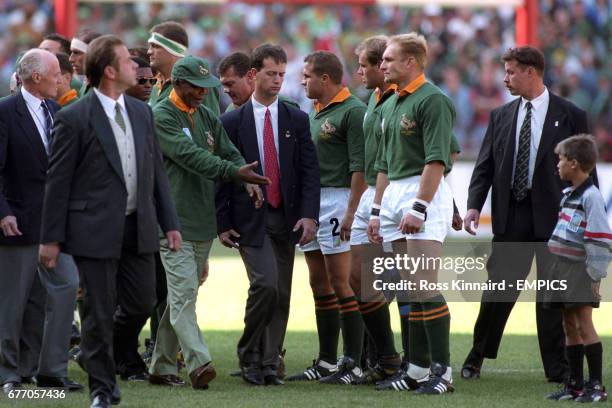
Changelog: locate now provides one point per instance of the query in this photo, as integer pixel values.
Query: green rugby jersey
(162, 89)
(196, 151)
(417, 129)
(84, 89)
(337, 133)
(372, 131)
(75, 83)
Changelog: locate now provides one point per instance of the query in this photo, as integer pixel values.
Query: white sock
(448, 375)
(417, 373)
(326, 365)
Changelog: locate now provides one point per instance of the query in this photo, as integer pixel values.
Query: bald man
(26, 119)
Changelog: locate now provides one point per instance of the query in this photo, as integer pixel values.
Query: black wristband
(375, 211)
(419, 207)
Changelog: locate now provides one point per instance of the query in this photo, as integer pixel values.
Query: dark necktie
(521, 169)
(119, 117)
(271, 163)
(48, 124)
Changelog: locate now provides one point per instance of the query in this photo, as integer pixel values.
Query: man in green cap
(196, 152)
(167, 45)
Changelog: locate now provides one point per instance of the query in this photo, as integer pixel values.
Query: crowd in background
(465, 46)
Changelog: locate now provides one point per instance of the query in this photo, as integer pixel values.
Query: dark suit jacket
(23, 169)
(495, 163)
(299, 174)
(86, 197)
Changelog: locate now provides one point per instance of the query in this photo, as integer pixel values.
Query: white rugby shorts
(359, 230)
(398, 199)
(334, 201)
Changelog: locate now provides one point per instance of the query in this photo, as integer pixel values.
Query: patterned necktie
(48, 124)
(119, 117)
(271, 163)
(521, 169)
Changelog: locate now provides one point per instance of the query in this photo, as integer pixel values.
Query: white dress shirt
(34, 105)
(125, 146)
(259, 111)
(539, 107)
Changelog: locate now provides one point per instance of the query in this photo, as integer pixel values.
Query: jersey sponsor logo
(407, 126)
(327, 130)
(210, 141)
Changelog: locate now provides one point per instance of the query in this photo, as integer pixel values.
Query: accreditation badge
(575, 222)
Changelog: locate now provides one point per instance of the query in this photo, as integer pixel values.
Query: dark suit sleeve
(223, 190)
(5, 210)
(308, 171)
(166, 211)
(62, 165)
(482, 176)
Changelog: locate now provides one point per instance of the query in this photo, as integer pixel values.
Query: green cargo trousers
(178, 327)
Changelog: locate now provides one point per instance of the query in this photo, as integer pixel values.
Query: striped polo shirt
(582, 232)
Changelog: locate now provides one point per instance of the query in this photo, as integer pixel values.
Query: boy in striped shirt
(581, 241)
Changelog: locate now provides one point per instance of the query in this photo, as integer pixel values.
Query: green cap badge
(196, 71)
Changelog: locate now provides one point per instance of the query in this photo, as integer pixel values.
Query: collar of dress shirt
(32, 101)
(260, 107)
(109, 103)
(537, 102)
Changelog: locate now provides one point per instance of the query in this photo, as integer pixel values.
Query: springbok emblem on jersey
(327, 130)
(408, 126)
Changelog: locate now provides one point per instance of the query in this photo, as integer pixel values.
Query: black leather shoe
(471, 366)
(251, 373)
(28, 380)
(10, 386)
(100, 401)
(116, 396)
(273, 380)
(469, 372)
(58, 382)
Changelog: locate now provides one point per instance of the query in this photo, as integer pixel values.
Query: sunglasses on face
(142, 81)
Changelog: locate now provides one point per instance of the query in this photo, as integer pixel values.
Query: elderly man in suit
(26, 119)
(106, 193)
(277, 135)
(517, 161)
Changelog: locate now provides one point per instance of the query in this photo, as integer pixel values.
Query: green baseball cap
(196, 71)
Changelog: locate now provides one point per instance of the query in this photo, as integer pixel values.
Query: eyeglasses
(142, 81)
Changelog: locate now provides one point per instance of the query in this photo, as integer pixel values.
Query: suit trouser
(511, 259)
(118, 297)
(61, 284)
(178, 327)
(270, 270)
(22, 300)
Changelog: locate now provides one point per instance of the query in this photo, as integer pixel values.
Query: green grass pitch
(515, 379)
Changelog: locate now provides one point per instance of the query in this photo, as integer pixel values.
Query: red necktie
(271, 165)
